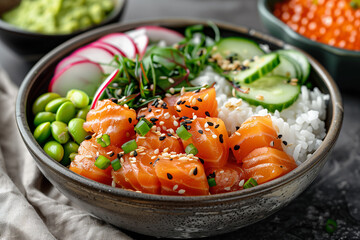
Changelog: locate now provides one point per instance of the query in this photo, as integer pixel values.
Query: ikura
(333, 22)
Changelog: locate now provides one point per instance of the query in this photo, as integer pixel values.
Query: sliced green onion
(116, 165)
(212, 182)
(183, 133)
(104, 140)
(143, 127)
(250, 183)
(330, 226)
(191, 149)
(129, 146)
(102, 162)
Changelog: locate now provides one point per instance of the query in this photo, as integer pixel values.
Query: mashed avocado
(58, 16)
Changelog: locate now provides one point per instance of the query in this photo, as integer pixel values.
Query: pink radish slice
(156, 33)
(66, 61)
(83, 75)
(109, 47)
(102, 87)
(122, 42)
(97, 54)
(141, 40)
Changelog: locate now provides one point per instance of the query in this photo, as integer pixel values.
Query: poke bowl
(178, 213)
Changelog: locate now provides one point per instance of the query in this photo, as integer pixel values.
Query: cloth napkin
(30, 207)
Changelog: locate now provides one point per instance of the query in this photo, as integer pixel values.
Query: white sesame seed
(153, 157)
(168, 95)
(175, 123)
(214, 136)
(156, 151)
(167, 115)
(207, 129)
(113, 184)
(171, 80)
(175, 187)
(121, 160)
(163, 77)
(206, 125)
(164, 128)
(271, 143)
(158, 110)
(166, 149)
(237, 133)
(227, 188)
(233, 92)
(222, 171)
(181, 191)
(193, 102)
(241, 183)
(182, 91)
(178, 107)
(161, 123)
(206, 97)
(125, 105)
(172, 90)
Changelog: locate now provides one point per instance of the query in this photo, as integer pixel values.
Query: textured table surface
(334, 194)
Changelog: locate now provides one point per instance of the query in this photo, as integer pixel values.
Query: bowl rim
(118, 9)
(87, 184)
(264, 9)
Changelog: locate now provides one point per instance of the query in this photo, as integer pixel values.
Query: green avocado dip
(58, 16)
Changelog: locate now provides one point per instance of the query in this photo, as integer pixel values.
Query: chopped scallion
(183, 133)
(143, 127)
(104, 140)
(212, 182)
(250, 183)
(191, 149)
(116, 165)
(330, 226)
(129, 146)
(102, 162)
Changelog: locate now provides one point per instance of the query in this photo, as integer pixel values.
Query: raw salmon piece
(256, 132)
(228, 178)
(83, 163)
(202, 104)
(137, 173)
(155, 140)
(115, 120)
(266, 163)
(210, 137)
(181, 175)
(162, 114)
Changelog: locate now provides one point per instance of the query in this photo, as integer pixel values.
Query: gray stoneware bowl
(175, 216)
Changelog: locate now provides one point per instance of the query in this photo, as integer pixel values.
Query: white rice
(301, 125)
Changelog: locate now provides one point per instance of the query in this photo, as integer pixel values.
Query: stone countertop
(334, 194)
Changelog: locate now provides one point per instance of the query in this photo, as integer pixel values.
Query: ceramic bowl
(175, 216)
(340, 63)
(32, 46)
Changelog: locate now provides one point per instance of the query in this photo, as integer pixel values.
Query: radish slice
(102, 87)
(83, 75)
(140, 39)
(156, 33)
(122, 42)
(97, 54)
(66, 61)
(109, 47)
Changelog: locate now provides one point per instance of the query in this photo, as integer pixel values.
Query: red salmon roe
(333, 22)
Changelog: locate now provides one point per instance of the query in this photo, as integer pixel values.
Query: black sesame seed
(237, 128)
(164, 106)
(140, 116)
(201, 160)
(188, 127)
(210, 123)
(150, 163)
(135, 153)
(156, 161)
(236, 147)
(199, 99)
(183, 118)
(284, 142)
(188, 106)
(183, 102)
(281, 166)
(153, 119)
(169, 176)
(178, 110)
(201, 131)
(114, 100)
(162, 138)
(188, 121)
(111, 154)
(207, 113)
(195, 172)
(221, 138)
(130, 120)
(171, 159)
(155, 102)
(195, 108)
(150, 109)
(169, 134)
(88, 137)
(279, 136)
(211, 175)
(196, 91)
(120, 155)
(179, 102)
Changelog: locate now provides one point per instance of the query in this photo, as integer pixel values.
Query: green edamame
(42, 101)
(83, 112)
(42, 117)
(65, 112)
(69, 148)
(54, 150)
(76, 130)
(42, 132)
(59, 131)
(79, 98)
(53, 105)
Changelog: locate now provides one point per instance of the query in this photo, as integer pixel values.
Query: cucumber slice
(287, 68)
(242, 47)
(256, 69)
(273, 93)
(301, 60)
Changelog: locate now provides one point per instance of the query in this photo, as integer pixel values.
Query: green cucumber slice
(301, 60)
(256, 69)
(273, 93)
(287, 68)
(244, 48)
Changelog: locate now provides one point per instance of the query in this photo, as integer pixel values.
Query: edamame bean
(69, 147)
(65, 112)
(42, 117)
(42, 101)
(83, 112)
(53, 105)
(59, 131)
(79, 98)
(54, 150)
(76, 129)
(42, 132)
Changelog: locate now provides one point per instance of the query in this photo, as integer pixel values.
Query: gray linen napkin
(30, 207)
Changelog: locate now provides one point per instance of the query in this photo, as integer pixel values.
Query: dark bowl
(31, 46)
(175, 216)
(340, 63)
